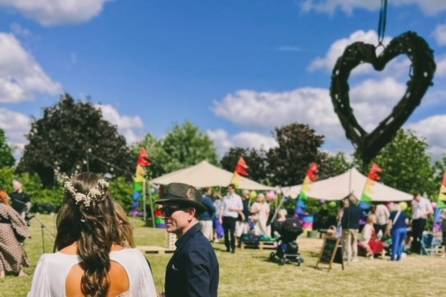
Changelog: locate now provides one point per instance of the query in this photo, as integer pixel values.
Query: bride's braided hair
(88, 218)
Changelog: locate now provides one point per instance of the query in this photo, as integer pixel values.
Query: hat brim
(197, 205)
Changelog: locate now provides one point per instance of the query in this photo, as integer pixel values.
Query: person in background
(421, 210)
(277, 224)
(397, 228)
(193, 270)
(231, 207)
(350, 225)
(20, 200)
(217, 224)
(382, 217)
(242, 225)
(369, 240)
(13, 231)
(207, 215)
(260, 214)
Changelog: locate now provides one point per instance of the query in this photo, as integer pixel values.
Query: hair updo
(88, 218)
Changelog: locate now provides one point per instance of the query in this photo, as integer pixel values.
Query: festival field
(249, 274)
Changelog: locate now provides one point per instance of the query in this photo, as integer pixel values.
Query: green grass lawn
(248, 273)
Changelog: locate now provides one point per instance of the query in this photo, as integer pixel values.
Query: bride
(92, 259)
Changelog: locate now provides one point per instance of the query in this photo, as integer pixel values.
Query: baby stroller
(287, 250)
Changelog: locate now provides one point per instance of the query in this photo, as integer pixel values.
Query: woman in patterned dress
(13, 231)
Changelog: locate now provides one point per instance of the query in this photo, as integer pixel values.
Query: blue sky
(235, 68)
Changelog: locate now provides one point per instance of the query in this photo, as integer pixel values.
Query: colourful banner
(140, 182)
(373, 177)
(241, 169)
(442, 195)
(302, 202)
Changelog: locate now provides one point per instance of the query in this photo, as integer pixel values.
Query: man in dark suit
(350, 227)
(193, 269)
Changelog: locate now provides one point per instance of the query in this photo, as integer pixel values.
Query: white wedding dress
(52, 271)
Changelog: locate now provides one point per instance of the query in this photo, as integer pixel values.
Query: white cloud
(266, 110)
(441, 67)
(432, 129)
(223, 141)
(338, 47)
(429, 7)
(440, 34)
(16, 126)
(130, 127)
(57, 12)
(371, 100)
(21, 77)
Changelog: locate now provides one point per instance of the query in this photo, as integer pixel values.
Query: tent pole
(350, 180)
(152, 212)
(276, 211)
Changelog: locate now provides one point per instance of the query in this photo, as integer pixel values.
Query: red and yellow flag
(241, 169)
(373, 177)
(143, 162)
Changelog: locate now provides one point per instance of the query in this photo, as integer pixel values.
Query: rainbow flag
(373, 177)
(140, 181)
(442, 195)
(302, 202)
(312, 176)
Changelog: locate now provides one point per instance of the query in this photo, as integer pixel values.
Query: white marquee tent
(204, 174)
(351, 181)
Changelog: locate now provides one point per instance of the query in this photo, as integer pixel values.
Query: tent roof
(204, 174)
(351, 181)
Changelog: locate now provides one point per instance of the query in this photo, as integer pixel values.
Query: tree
(256, 159)
(407, 164)
(186, 145)
(298, 147)
(6, 157)
(74, 136)
(332, 165)
(122, 192)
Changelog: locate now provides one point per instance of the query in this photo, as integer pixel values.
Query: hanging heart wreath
(368, 145)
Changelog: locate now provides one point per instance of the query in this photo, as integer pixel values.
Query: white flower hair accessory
(93, 196)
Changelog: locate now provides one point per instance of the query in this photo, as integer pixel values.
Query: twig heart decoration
(368, 145)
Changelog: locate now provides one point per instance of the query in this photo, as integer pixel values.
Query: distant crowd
(388, 229)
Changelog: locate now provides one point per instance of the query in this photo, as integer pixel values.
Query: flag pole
(144, 208)
(152, 211)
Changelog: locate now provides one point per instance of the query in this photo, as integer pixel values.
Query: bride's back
(119, 281)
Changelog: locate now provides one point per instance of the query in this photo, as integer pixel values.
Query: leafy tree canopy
(407, 164)
(185, 145)
(74, 136)
(298, 147)
(332, 165)
(6, 157)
